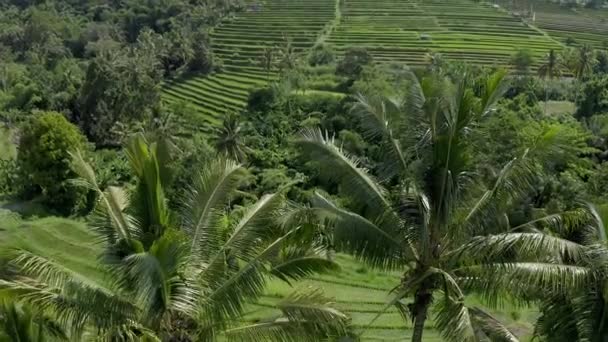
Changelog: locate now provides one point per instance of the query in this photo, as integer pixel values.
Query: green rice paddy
(394, 31)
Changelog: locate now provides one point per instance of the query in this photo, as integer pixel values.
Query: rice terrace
(304, 170)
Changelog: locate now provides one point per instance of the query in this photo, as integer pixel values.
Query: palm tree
(429, 214)
(287, 55)
(267, 60)
(579, 61)
(549, 69)
(229, 140)
(183, 275)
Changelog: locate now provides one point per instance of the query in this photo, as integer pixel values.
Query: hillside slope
(239, 43)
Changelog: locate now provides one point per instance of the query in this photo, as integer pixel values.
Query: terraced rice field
(362, 293)
(239, 43)
(403, 31)
(406, 31)
(585, 26)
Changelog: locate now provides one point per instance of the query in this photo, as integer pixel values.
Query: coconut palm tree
(183, 275)
(288, 58)
(229, 140)
(427, 213)
(579, 61)
(268, 60)
(548, 70)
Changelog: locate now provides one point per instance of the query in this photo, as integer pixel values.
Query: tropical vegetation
(303, 171)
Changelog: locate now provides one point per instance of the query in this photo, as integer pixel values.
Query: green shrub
(261, 99)
(321, 55)
(353, 62)
(44, 161)
(9, 177)
(593, 97)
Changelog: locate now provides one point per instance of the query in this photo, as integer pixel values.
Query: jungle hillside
(303, 170)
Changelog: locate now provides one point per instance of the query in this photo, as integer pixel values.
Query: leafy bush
(593, 97)
(9, 177)
(353, 62)
(522, 60)
(321, 55)
(261, 99)
(44, 160)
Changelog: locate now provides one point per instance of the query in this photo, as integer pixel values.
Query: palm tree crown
(429, 214)
(183, 275)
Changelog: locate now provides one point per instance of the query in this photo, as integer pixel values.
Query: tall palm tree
(229, 140)
(429, 214)
(550, 69)
(181, 275)
(579, 61)
(287, 55)
(267, 60)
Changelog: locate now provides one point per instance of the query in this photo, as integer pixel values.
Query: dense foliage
(476, 185)
(44, 161)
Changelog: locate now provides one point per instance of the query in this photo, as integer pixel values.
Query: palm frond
(491, 327)
(255, 225)
(75, 304)
(296, 264)
(526, 246)
(227, 288)
(131, 332)
(205, 201)
(149, 205)
(494, 88)
(378, 118)
(521, 277)
(159, 279)
(336, 165)
(21, 323)
(377, 243)
(453, 320)
(598, 223)
(43, 269)
(113, 201)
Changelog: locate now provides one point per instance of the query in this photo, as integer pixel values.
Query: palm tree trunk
(419, 321)
(546, 96)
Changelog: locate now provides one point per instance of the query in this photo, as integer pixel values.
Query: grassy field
(357, 290)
